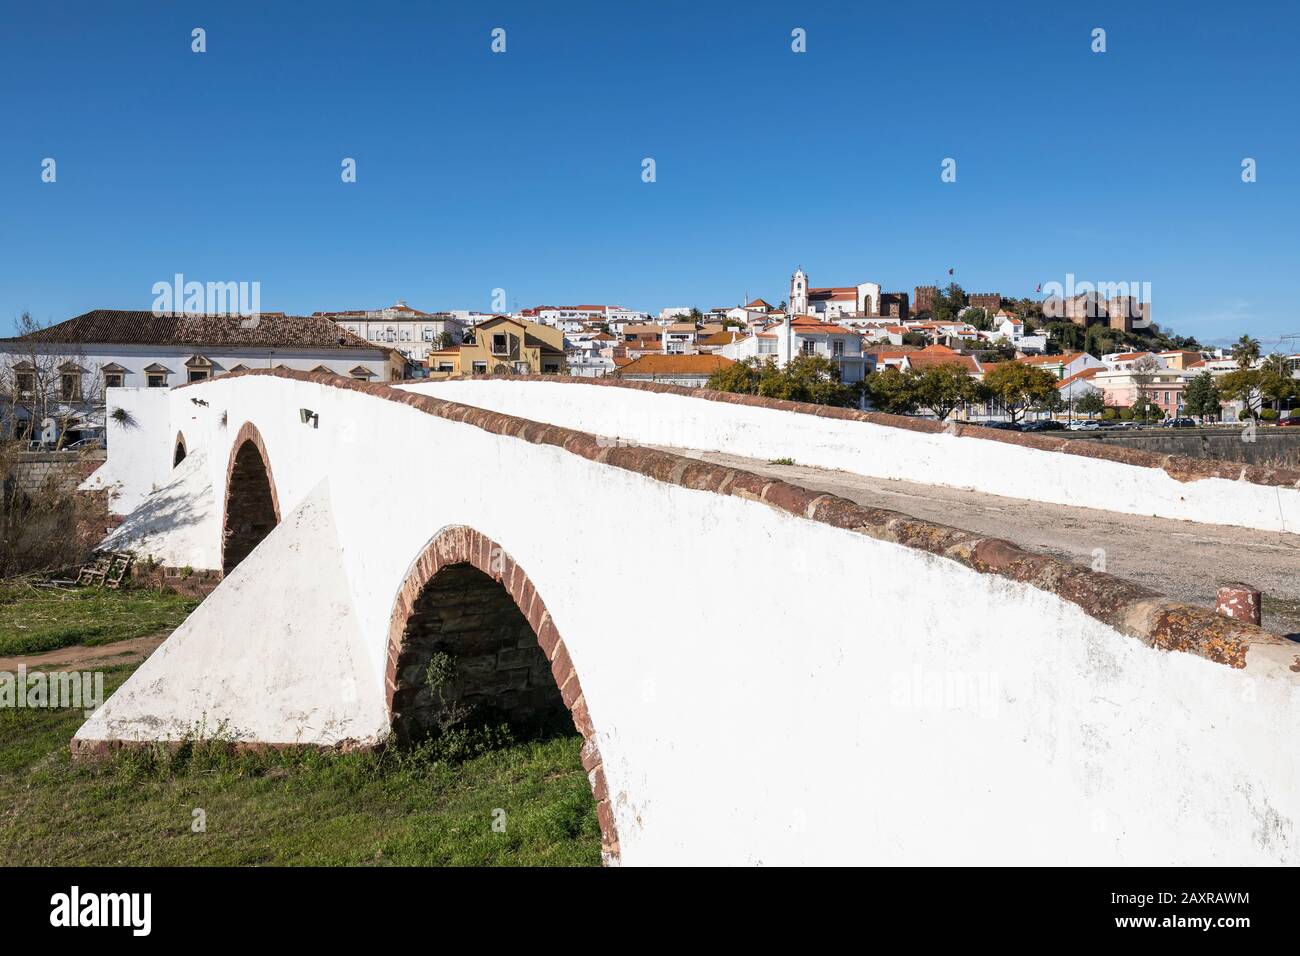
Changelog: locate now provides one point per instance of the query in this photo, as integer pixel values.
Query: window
(157, 380)
(837, 348)
(428, 333)
(808, 347)
(446, 367)
(480, 368)
(114, 379)
(500, 343)
(26, 382)
(199, 375)
(70, 385)
(767, 346)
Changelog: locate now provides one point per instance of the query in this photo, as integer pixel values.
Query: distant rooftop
(272, 329)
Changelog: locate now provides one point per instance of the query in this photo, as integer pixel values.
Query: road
(1183, 559)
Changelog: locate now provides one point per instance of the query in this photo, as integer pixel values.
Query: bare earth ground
(1185, 560)
(130, 651)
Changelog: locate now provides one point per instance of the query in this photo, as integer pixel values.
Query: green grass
(289, 807)
(33, 620)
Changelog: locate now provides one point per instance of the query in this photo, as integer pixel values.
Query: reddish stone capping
(463, 545)
(1130, 608)
(1178, 467)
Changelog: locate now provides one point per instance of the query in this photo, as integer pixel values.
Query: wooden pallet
(107, 569)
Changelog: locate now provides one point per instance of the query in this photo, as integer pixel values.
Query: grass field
(33, 620)
(435, 805)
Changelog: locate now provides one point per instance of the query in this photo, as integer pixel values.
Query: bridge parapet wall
(1026, 466)
(950, 693)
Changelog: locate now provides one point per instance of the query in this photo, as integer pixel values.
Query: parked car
(1085, 426)
(1004, 426)
(1047, 425)
(1293, 421)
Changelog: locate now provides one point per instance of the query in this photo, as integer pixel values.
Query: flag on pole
(949, 272)
(1039, 287)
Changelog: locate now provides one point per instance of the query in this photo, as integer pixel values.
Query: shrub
(1268, 414)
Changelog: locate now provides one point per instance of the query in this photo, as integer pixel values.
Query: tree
(978, 318)
(891, 390)
(948, 302)
(808, 378)
(1201, 397)
(1090, 403)
(1018, 386)
(1246, 351)
(1275, 381)
(1067, 335)
(1143, 374)
(805, 378)
(1242, 385)
(46, 388)
(740, 377)
(941, 388)
(1147, 410)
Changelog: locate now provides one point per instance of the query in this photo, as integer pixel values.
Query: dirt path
(1183, 559)
(130, 651)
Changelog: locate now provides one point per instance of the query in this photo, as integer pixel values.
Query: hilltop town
(1081, 361)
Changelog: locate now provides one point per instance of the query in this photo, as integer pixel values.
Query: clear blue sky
(523, 170)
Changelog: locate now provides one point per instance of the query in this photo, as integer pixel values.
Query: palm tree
(1246, 351)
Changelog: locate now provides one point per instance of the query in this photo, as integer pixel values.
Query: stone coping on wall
(1130, 608)
(1178, 467)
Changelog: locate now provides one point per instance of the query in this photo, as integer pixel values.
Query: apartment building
(412, 333)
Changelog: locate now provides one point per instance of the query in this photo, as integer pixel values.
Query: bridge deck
(1183, 559)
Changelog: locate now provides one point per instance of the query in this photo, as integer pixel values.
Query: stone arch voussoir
(462, 545)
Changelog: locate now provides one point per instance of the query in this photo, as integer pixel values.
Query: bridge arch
(464, 593)
(252, 506)
(179, 450)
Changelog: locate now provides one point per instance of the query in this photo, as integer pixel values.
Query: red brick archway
(179, 450)
(252, 506)
(462, 554)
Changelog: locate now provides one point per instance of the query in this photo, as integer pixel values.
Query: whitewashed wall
(980, 464)
(757, 724)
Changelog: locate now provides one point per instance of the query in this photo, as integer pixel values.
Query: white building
(1007, 326)
(109, 348)
(411, 332)
(833, 302)
(804, 335)
(674, 312)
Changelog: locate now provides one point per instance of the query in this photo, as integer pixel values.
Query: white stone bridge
(763, 673)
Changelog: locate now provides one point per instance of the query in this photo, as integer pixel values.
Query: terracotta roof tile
(659, 364)
(122, 327)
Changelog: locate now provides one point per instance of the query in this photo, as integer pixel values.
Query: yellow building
(502, 345)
